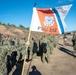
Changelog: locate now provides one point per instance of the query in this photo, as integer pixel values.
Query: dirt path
(62, 63)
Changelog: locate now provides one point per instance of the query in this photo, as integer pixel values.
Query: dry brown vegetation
(12, 31)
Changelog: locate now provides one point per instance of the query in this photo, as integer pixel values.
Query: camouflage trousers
(34, 55)
(30, 54)
(3, 70)
(47, 56)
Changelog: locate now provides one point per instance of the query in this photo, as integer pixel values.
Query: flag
(49, 20)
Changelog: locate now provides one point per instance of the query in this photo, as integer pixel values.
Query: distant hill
(13, 31)
(18, 31)
(71, 32)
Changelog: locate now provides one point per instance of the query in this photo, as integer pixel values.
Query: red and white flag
(49, 20)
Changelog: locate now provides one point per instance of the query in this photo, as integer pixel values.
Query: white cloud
(61, 1)
(70, 0)
(65, 1)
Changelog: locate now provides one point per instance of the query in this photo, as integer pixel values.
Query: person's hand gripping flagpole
(27, 44)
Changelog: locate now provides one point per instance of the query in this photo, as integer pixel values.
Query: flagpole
(25, 54)
(26, 48)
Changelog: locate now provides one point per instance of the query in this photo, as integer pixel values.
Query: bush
(21, 26)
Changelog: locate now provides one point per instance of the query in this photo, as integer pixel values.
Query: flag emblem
(49, 20)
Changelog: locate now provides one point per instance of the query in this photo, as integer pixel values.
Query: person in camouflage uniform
(39, 40)
(51, 39)
(3, 61)
(29, 44)
(7, 48)
(56, 41)
(45, 49)
(35, 47)
(74, 42)
(40, 46)
(23, 47)
(1, 39)
(16, 47)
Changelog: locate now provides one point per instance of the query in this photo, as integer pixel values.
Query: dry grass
(12, 31)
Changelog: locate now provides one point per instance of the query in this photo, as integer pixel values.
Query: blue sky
(20, 11)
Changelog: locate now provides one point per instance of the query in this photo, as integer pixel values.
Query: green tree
(21, 26)
(27, 28)
(8, 24)
(0, 22)
(13, 25)
(4, 24)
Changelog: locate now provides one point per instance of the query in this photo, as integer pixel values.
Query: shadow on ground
(18, 69)
(34, 71)
(69, 52)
